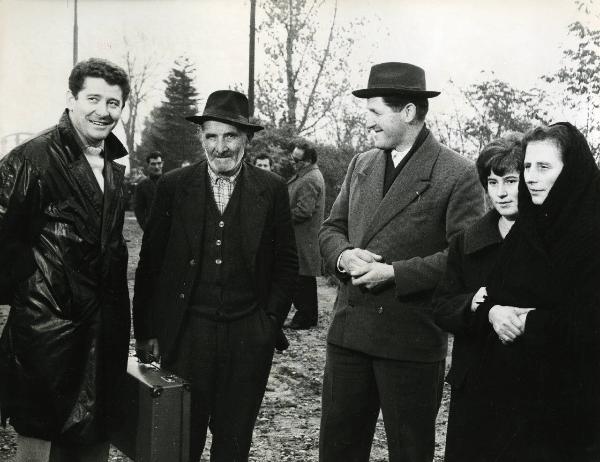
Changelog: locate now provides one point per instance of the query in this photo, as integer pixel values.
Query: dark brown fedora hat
(388, 79)
(227, 106)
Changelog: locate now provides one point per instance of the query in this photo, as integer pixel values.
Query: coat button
(218, 241)
(182, 296)
(218, 261)
(379, 309)
(192, 262)
(221, 224)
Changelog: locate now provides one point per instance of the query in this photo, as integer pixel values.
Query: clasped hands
(508, 321)
(366, 268)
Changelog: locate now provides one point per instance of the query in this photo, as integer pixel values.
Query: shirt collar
(230, 179)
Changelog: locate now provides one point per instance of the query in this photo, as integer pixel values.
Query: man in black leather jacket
(64, 347)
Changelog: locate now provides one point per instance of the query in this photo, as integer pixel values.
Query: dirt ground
(288, 425)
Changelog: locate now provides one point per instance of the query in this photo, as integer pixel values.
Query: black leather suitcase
(156, 409)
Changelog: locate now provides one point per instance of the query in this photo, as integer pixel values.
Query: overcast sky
(452, 39)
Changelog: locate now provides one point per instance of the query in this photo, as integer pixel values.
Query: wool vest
(224, 289)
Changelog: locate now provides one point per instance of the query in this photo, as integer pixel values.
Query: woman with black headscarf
(542, 381)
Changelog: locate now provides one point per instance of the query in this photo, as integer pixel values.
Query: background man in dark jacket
(217, 267)
(146, 189)
(64, 347)
(264, 161)
(307, 202)
(386, 241)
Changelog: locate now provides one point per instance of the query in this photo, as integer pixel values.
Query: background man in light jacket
(307, 202)
(386, 239)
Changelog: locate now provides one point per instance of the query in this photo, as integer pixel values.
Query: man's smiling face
(388, 126)
(96, 109)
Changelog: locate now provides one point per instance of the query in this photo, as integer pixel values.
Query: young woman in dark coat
(542, 383)
(471, 257)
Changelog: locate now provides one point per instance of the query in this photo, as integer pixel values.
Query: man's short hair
(310, 153)
(262, 157)
(153, 155)
(398, 102)
(501, 156)
(97, 67)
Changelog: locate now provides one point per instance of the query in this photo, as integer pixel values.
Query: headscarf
(550, 261)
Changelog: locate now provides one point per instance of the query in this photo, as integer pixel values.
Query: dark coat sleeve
(465, 206)
(285, 263)
(20, 220)
(140, 204)
(152, 254)
(452, 299)
(333, 235)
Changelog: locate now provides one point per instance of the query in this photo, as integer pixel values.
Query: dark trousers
(356, 386)
(227, 365)
(305, 301)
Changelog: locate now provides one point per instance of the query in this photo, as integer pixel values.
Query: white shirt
(96, 161)
(397, 156)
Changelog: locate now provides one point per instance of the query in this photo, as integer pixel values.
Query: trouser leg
(306, 302)
(37, 450)
(196, 362)
(410, 394)
(244, 363)
(350, 406)
(79, 453)
(32, 449)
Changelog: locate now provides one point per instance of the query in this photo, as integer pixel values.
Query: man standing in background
(264, 162)
(307, 202)
(146, 189)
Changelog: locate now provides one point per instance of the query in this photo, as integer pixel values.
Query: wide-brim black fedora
(227, 106)
(387, 79)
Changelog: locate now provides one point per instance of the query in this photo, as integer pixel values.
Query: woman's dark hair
(397, 103)
(559, 134)
(97, 67)
(501, 156)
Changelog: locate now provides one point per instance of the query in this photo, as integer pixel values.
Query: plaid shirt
(222, 187)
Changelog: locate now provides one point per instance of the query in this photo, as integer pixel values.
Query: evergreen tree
(166, 129)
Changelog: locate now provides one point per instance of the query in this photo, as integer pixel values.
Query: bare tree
(140, 74)
(307, 72)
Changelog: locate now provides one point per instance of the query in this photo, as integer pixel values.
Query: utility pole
(251, 57)
(75, 35)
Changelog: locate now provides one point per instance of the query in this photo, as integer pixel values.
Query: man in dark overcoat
(146, 189)
(386, 241)
(307, 202)
(213, 286)
(64, 269)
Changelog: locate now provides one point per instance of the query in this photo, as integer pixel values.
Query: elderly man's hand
(353, 259)
(371, 275)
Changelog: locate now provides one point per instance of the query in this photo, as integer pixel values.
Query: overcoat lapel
(114, 175)
(193, 204)
(369, 186)
(408, 186)
(253, 212)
